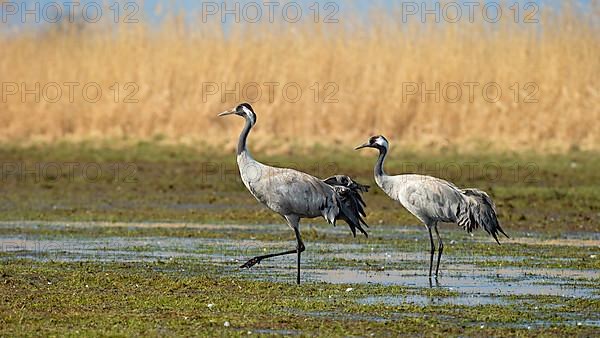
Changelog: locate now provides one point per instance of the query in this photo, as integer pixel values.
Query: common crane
(434, 200)
(296, 195)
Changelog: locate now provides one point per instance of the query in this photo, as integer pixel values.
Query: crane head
(378, 142)
(244, 110)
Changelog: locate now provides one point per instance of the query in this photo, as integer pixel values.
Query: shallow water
(345, 263)
(456, 275)
(470, 300)
(466, 282)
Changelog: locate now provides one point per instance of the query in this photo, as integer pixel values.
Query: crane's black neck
(379, 165)
(243, 136)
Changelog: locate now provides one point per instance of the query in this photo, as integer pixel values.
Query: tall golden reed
(370, 70)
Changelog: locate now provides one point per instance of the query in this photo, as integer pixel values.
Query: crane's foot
(252, 262)
(431, 280)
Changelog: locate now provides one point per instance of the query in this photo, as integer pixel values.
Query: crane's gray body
(434, 200)
(288, 192)
(428, 198)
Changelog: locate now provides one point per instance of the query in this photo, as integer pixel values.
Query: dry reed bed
(371, 63)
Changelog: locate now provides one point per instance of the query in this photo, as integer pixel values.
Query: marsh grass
(369, 58)
(152, 182)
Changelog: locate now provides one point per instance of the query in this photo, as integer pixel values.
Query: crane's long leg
(253, 261)
(299, 248)
(293, 222)
(432, 250)
(440, 250)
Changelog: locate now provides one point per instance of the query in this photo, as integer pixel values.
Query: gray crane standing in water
(434, 200)
(294, 194)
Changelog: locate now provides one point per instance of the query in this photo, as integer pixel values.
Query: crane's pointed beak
(229, 112)
(362, 146)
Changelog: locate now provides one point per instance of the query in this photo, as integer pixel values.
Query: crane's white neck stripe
(249, 113)
(382, 142)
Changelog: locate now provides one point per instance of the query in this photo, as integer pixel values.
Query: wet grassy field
(147, 240)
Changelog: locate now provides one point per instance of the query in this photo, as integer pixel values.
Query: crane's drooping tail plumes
(480, 211)
(351, 204)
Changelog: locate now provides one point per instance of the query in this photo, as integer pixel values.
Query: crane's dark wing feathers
(351, 203)
(480, 211)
